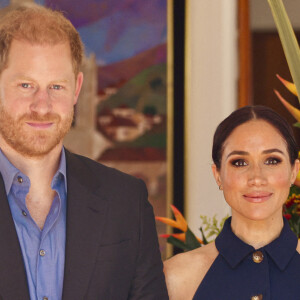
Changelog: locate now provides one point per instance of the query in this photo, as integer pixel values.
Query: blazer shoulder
(84, 167)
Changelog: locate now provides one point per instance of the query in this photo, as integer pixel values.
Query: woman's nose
(256, 176)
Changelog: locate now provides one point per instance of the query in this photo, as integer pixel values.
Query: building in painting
(83, 137)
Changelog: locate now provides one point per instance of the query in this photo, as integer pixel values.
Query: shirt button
(257, 297)
(20, 179)
(24, 213)
(45, 298)
(257, 258)
(42, 252)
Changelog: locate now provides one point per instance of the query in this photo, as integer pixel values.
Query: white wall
(211, 95)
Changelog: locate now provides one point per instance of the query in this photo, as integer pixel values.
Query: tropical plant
(187, 240)
(291, 49)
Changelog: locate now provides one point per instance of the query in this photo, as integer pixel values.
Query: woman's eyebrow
(272, 150)
(238, 152)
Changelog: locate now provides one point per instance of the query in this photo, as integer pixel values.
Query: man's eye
(272, 161)
(56, 87)
(239, 163)
(25, 85)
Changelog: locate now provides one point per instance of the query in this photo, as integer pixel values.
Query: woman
(256, 256)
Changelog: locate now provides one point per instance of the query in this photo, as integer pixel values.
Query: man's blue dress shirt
(43, 250)
(242, 273)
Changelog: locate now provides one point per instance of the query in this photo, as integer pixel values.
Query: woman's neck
(257, 233)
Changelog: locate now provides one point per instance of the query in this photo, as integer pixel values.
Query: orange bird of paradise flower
(179, 223)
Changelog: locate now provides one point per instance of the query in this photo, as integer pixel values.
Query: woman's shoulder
(298, 247)
(184, 272)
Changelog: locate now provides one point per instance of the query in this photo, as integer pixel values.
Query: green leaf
(211, 227)
(297, 124)
(177, 243)
(203, 236)
(190, 240)
(288, 39)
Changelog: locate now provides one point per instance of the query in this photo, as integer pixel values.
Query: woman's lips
(257, 197)
(38, 125)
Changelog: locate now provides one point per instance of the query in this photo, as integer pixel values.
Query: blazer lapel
(86, 215)
(13, 281)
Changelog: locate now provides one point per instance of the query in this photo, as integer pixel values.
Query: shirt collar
(62, 170)
(9, 171)
(234, 250)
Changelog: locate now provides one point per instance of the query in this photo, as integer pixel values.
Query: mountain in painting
(118, 73)
(146, 89)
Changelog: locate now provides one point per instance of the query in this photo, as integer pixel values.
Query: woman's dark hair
(248, 113)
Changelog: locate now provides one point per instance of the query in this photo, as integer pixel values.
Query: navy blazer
(111, 243)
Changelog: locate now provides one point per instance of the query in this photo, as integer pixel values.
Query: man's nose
(41, 103)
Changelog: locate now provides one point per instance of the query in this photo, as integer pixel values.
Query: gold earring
(220, 187)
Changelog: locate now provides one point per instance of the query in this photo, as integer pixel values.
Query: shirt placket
(46, 259)
(259, 269)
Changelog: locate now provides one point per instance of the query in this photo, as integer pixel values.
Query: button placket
(257, 257)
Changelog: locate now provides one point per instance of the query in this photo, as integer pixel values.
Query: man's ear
(79, 81)
(216, 174)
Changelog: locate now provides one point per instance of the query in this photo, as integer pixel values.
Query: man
(70, 228)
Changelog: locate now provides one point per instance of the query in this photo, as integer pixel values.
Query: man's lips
(257, 197)
(40, 125)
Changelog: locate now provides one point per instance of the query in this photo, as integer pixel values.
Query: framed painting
(124, 116)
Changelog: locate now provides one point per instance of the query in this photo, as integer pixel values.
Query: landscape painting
(126, 46)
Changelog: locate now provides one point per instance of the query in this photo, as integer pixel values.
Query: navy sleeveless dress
(242, 273)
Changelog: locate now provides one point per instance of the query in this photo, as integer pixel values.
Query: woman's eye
(239, 163)
(272, 161)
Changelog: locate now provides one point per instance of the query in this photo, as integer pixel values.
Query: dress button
(20, 179)
(257, 297)
(257, 258)
(42, 252)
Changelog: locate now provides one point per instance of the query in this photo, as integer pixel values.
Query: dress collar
(234, 250)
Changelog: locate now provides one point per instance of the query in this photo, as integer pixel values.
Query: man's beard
(32, 142)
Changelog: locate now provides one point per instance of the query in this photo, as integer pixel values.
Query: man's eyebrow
(60, 81)
(22, 77)
(268, 151)
(27, 78)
